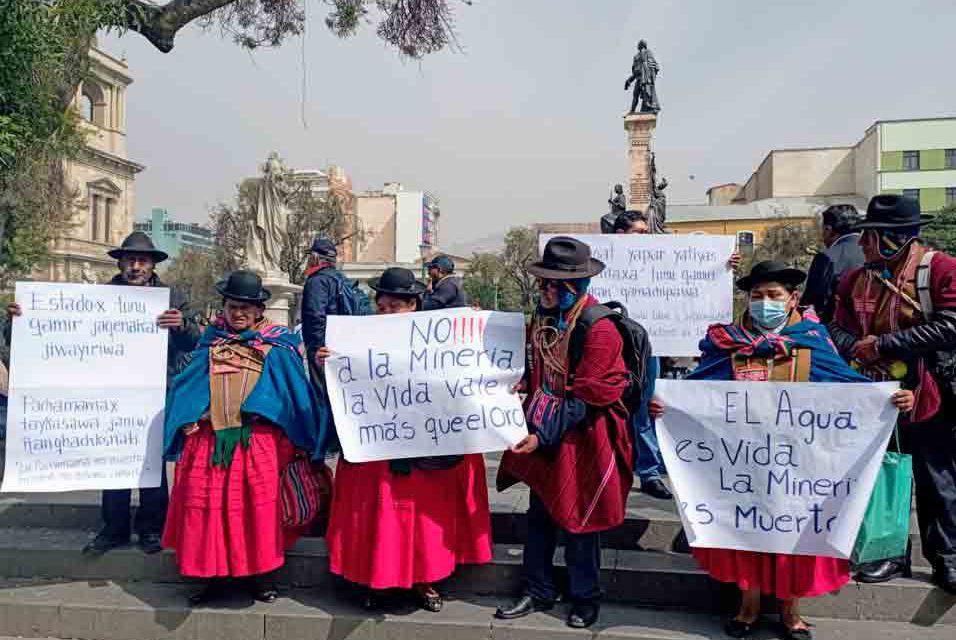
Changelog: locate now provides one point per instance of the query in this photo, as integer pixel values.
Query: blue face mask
(768, 314)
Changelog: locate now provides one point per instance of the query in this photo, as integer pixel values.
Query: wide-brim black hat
(565, 258)
(891, 211)
(138, 242)
(397, 281)
(771, 271)
(244, 286)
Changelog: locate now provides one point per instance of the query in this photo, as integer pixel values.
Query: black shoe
(103, 543)
(945, 579)
(524, 606)
(884, 572)
(430, 602)
(738, 629)
(583, 615)
(796, 634)
(149, 543)
(657, 489)
(265, 593)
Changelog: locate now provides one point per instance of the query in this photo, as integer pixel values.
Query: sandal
(739, 629)
(796, 634)
(429, 599)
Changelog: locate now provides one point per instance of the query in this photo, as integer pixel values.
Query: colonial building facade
(102, 177)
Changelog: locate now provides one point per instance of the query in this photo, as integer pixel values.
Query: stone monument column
(640, 133)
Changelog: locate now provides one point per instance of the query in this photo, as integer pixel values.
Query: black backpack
(637, 347)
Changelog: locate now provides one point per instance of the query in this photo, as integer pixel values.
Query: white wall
(918, 134)
(408, 225)
(867, 163)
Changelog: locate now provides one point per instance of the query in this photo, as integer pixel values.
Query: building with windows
(397, 226)
(173, 237)
(915, 157)
(102, 176)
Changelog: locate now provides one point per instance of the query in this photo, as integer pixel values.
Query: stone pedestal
(279, 306)
(640, 133)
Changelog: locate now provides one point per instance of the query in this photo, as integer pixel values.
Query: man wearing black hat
(896, 319)
(137, 258)
(842, 252)
(445, 290)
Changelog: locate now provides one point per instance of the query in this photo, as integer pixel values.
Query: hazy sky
(524, 124)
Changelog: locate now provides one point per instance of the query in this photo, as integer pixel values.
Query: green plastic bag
(885, 530)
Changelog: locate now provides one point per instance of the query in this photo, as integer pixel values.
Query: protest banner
(674, 285)
(425, 384)
(774, 467)
(87, 388)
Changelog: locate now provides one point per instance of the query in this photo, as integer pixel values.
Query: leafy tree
(44, 58)
(941, 234)
(500, 280)
(193, 274)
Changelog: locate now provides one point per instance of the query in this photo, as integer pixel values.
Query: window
(951, 196)
(94, 217)
(911, 161)
(950, 159)
(911, 193)
(107, 219)
(86, 107)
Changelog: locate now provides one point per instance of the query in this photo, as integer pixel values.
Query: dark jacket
(320, 299)
(827, 268)
(447, 294)
(181, 343)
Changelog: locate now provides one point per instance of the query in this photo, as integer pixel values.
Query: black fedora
(138, 242)
(891, 211)
(397, 281)
(566, 259)
(244, 286)
(771, 271)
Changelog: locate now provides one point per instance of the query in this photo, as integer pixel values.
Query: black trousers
(933, 447)
(582, 554)
(150, 517)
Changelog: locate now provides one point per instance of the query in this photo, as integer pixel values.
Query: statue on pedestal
(617, 201)
(268, 222)
(86, 274)
(644, 71)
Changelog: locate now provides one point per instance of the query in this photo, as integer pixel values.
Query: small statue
(657, 208)
(86, 274)
(644, 71)
(617, 200)
(268, 222)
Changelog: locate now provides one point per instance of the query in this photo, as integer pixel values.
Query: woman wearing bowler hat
(775, 341)
(237, 415)
(406, 524)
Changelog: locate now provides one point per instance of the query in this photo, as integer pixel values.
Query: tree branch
(159, 24)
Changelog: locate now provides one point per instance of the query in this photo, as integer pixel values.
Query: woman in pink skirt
(407, 524)
(236, 417)
(774, 341)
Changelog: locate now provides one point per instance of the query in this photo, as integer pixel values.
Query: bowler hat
(138, 242)
(244, 286)
(397, 281)
(441, 261)
(324, 247)
(771, 271)
(890, 211)
(566, 259)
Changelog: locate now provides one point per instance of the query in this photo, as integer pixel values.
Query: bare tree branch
(159, 24)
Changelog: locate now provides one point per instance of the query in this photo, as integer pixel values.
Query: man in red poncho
(578, 458)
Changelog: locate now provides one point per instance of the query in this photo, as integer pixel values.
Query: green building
(915, 158)
(171, 236)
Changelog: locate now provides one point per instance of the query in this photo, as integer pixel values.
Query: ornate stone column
(640, 133)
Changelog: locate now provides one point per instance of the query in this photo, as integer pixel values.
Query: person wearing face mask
(240, 412)
(896, 320)
(777, 341)
(578, 458)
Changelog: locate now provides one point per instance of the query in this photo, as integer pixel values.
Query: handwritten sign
(87, 388)
(674, 285)
(775, 467)
(425, 384)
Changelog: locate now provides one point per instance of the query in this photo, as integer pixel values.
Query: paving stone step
(646, 578)
(137, 611)
(650, 524)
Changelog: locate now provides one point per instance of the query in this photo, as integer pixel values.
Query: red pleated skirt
(393, 531)
(226, 522)
(782, 576)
